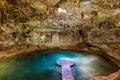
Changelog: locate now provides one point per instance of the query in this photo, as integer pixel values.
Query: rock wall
(38, 22)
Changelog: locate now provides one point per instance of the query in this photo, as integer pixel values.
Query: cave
(59, 40)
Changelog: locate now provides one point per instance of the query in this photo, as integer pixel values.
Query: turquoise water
(41, 65)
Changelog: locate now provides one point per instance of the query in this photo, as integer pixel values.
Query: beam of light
(85, 60)
(85, 65)
(86, 71)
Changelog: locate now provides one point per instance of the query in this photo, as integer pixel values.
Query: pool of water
(41, 65)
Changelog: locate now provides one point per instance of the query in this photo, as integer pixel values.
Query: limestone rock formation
(114, 76)
(92, 22)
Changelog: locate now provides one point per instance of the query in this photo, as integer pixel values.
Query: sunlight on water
(41, 65)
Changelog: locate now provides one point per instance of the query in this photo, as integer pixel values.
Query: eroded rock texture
(38, 22)
(114, 76)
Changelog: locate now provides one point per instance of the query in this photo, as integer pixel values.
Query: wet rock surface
(96, 24)
(114, 76)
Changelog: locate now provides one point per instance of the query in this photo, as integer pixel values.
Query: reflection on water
(41, 65)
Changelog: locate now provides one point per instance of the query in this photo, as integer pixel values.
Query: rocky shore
(99, 50)
(84, 25)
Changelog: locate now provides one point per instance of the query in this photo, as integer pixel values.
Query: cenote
(41, 65)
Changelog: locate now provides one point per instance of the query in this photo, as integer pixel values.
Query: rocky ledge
(85, 25)
(113, 76)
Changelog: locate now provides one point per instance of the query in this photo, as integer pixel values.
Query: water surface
(41, 65)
